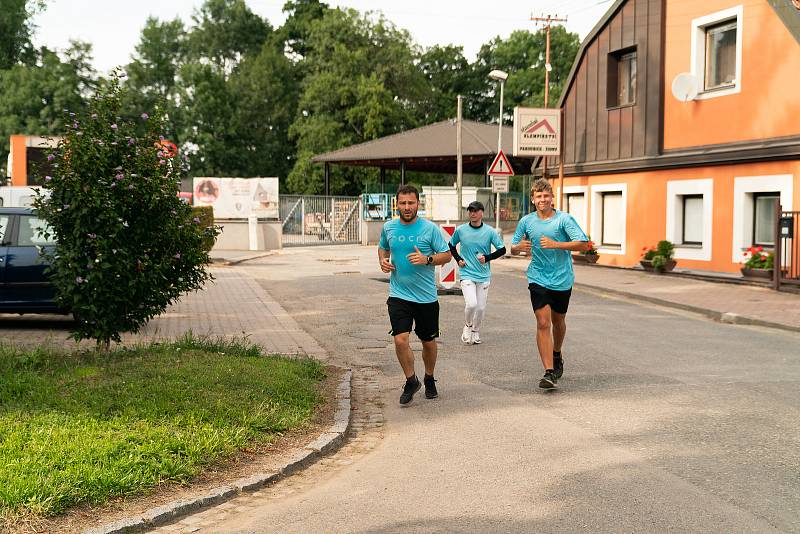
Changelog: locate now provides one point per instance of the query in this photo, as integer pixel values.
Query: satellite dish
(685, 87)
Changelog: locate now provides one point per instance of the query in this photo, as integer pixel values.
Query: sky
(113, 27)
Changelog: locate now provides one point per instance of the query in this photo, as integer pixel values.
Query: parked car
(24, 286)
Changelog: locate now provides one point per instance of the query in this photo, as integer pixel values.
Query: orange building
(27, 159)
(682, 122)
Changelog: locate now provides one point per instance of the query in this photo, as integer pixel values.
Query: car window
(31, 232)
(3, 226)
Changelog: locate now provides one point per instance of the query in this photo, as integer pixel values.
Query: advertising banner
(237, 198)
(537, 132)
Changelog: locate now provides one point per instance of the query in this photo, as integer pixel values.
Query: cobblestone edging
(328, 441)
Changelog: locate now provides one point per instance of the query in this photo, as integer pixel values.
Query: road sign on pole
(501, 166)
(499, 184)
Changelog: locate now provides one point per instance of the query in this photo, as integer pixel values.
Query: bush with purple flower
(124, 253)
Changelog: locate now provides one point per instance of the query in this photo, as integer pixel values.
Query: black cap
(475, 206)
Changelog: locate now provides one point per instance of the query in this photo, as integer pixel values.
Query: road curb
(228, 263)
(330, 440)
(722, 317)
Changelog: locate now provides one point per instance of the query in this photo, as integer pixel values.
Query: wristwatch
(430, 260)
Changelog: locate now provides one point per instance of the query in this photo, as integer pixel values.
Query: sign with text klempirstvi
(537, 132)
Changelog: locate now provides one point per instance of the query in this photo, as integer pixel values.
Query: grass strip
(86, 427)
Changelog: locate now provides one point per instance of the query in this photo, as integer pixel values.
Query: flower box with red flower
(658, 258)
(587, 256)
(760, 263)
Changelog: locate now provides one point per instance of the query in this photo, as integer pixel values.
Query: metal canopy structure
(431, 149)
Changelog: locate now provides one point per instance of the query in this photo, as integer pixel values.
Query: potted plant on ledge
(659, 258)
(760, 264)
(589, 255)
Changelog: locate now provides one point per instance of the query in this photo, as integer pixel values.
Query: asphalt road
(664, 421)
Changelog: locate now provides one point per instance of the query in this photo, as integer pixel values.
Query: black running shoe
(558, 366)
(430, 387)
(409, 389)
(549, 380)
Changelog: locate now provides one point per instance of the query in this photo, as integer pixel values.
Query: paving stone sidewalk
(233, 305)
(736, 302)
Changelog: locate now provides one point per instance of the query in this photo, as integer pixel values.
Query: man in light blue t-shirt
(549, 236)
(409, 249)
(476, 240)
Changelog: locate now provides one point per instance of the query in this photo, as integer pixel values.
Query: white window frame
(577, 190)
(744, 207)
(676, 190)
(596, 224)
(698, 50)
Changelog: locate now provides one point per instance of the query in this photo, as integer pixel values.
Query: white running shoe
(476, 338)
(466, 335)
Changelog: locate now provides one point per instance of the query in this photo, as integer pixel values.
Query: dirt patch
(259, 457)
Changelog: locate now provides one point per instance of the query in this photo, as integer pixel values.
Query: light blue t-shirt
(416, 283)
(550, 268)
(475, 241)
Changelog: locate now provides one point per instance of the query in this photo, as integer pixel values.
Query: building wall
(766, 105)
(235, 235)
(19, 160)
(647, 203)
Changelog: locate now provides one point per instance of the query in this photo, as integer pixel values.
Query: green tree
(362, 83)
(265, 93)
(522, 55)
(449, 74)
(34, 96)
(16, 31)
(153, 73)
(238, 94)
(208, 136)
(294, 36)
(225, 31)
(127, 247)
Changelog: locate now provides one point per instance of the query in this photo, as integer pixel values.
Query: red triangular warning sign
(501, 166)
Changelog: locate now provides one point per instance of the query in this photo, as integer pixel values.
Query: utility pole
(459, 162)
(547, 22)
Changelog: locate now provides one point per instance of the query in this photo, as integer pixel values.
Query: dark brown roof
(431, 148)
(585, 45)
(789, 14)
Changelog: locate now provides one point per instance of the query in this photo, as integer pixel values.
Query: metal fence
(787, 249)
(320, 220)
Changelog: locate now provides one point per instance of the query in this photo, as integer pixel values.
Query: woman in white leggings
(476, 241)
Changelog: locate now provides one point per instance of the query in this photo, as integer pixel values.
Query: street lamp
(500, 76)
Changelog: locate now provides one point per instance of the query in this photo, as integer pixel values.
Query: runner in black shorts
(557, 300)
(409, 249)
(423, 317)
(548, 236)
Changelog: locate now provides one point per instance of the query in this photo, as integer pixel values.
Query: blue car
(24, 287)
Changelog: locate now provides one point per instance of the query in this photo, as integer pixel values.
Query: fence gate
(320, 220)
(787, 249)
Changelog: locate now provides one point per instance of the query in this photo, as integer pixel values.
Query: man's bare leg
(544, 336)
(429, 353)
(405, 355)
(559, 329)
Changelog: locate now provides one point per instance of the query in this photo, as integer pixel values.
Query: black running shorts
(403, 314)
(557, 300)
